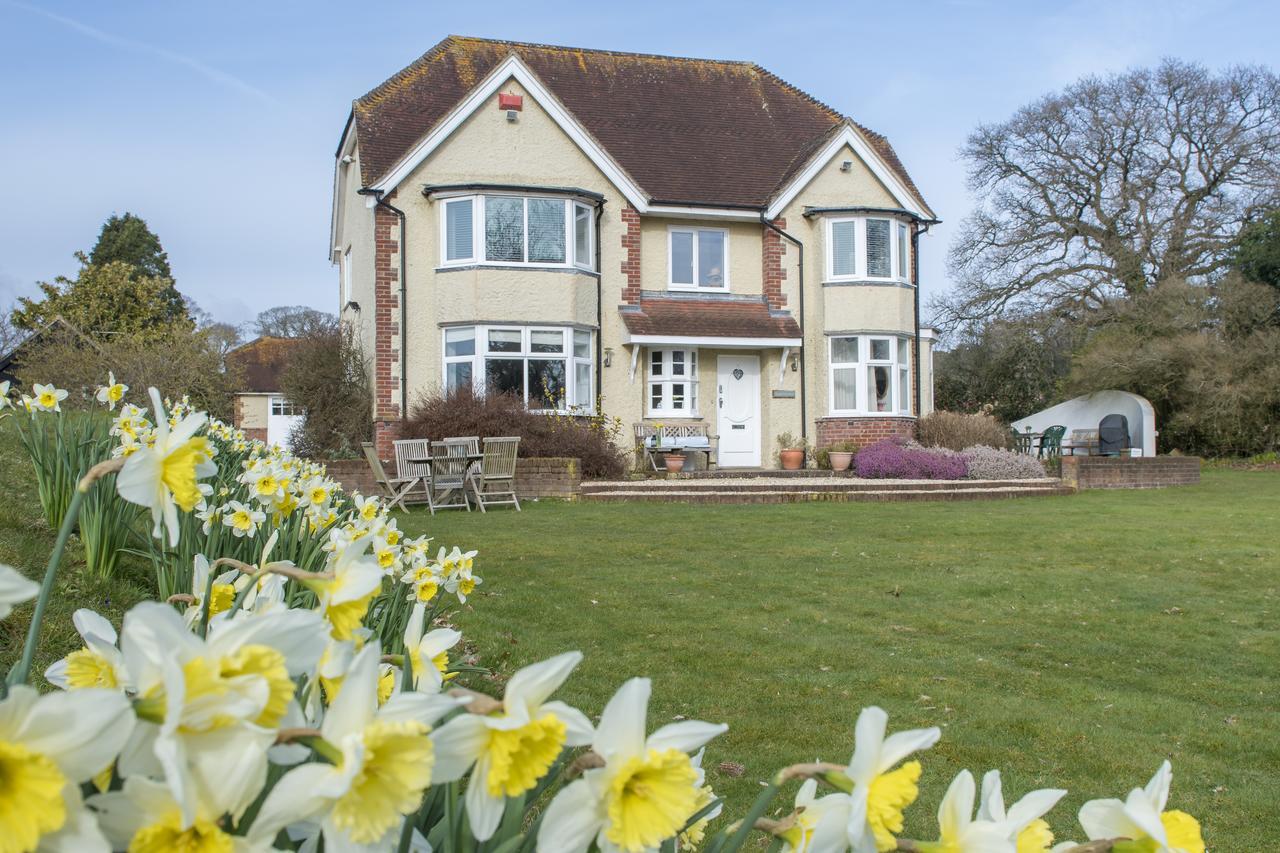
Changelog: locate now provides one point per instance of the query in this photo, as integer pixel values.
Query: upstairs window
(867, 248)
(516, 230)
(698, 259)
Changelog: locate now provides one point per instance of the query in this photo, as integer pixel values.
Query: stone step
(753, 484)
(787, 496)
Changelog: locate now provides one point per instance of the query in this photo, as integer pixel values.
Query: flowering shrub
(890, 460)
(263, 706)
(989, 463)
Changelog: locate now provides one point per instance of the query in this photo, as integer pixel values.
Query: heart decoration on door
(737, 373)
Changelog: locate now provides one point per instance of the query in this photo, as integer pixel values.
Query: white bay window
(868, 248)
(549, 368)
(869, 374)
(517, 230)
(673, 383)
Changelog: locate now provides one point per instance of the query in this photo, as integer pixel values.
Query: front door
(738, 406)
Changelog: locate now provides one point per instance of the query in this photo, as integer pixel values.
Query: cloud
(207, 71)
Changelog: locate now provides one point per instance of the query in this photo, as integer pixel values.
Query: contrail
(199, 67)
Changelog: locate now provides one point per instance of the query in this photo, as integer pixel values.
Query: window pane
(582, 344)
(681, 257)
(693, 396)
(904, 351)
(846, 389)
(693, 362)
(677, 395)
(503, 228)
(655, 363)
(459, 241)
(842, 248)
(904, 388)
(655, 395)
(903, 271)
(546, 230)
(878, 247)
(711, 259)
(459, 342)
(677, 362)
(844, 350)
(582, 385)
(879, 388)
(582, 236)
(546, 340)
(504, 340)
(457, 376)
(880, 349)
(504, 376)
(546, 384)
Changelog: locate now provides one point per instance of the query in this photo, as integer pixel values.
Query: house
(671, 240)
(261, 410)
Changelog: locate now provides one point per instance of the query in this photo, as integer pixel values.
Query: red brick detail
(631, 255)
(1112, 472)
(385, 433)
(260, 434)
(386, 305)
(863, 431)
(773, 251)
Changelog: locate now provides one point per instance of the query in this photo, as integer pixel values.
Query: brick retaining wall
(864, 431)
(1111, 472)
(535, 478)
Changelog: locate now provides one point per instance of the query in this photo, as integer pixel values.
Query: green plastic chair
(1051, 442)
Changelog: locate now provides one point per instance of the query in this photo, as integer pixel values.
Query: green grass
(1071, 642)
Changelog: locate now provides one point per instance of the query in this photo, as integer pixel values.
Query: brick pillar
(774, 274)
(386, 313)
(631, 255)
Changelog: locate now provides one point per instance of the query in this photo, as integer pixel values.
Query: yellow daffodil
(428, 652)
(1024, 820)
(959, 832)
(98, 664)
(646, 791)
(144, 817)
(47, 398)
(222, 595)
(1142, 818)
(163, 477)
(112, 393)
(816, 816)
(15, 588)
(344, 599)
(243, 520)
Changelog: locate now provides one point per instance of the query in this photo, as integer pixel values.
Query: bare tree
(294, 321)
(1112, 185)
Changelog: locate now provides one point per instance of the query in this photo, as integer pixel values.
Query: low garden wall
(1111, 472)
(535, 478)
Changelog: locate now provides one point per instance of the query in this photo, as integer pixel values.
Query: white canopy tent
(1085, 413)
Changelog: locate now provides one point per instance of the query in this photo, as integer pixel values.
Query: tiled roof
(686, 130)
(680, 316)
(260, 363)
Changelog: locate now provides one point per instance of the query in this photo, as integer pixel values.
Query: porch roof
(730, 322)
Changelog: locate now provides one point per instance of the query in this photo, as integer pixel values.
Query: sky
(217, 121)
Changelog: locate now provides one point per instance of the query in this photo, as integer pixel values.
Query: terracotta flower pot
(792, 460)
(674, 462)
(840, 460)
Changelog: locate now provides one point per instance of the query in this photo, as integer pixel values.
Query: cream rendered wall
(356, 234)
(253, 411)
(744, 253)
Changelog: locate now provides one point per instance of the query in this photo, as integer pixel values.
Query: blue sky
(217, 122)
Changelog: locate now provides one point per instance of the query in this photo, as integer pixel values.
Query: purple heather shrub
(891, 460)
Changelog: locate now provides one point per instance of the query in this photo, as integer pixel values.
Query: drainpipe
(599, 410)
(917, 228)
(804, 418)
(404, 309)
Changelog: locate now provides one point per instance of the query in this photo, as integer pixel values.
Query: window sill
(856, 415)
(693, 288)
(520, 267)
(867, 282)
(665, 416)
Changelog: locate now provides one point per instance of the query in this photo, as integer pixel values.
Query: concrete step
(812, 484)
(727, 496)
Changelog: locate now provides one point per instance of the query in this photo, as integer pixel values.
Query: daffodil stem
(18, 675)
(748, 823)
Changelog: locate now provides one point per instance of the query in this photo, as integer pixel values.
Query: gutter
(917, 228)
(599, 394)
(404, 309)
(804, 417)
(429, 190)
(901, 213)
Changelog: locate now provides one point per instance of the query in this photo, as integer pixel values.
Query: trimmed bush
(889, 460)
(990, 463)
(592, 440)
(956, 431)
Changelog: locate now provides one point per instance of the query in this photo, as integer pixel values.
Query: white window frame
(344, 274)
(572, 405)
(899, 375)
(898, 271)
(667, 378)
(477, 256)
(286, 408)
(693, 230)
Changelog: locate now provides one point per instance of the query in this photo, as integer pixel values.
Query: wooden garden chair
(494, 480)
(393, 489)
(412, 463)
(450, 463)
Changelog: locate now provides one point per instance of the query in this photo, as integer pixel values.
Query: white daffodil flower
(98, 664)
(512, 748)
(814, 815)
(15, 588)
(644, 794)
(112, 393)
(692, 837)
(243, 520)
(428, 652)
(221, 596)
(212, 706)
(47, 398)
(344, 599)
(163, 475)
(1024, 820)
(49, 745)
(959, 832)
(145, 816)
(381, 765)
(4, 395)
(1142, 817)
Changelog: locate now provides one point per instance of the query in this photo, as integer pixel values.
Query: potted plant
(791, 452)
(674, 460)
(840, 454)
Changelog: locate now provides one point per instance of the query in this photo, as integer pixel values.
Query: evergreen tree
(127, 239)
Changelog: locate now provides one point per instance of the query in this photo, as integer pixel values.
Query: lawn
(1070, 641)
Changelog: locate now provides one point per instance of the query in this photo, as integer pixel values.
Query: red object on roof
(510, 102)
(715, 318)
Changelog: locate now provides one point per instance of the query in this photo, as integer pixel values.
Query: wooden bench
(680, 437)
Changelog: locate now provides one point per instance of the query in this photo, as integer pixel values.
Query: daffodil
(824, 816)
(163, 476)
(513, 747)
(221, 595)
(1142, 819)
(242, 519)
(98, 664)
(959, 832)
(47, 398)
(4, 394)
(344, 598)
(1024, 820)
(49, 746)
(15, 588)
(644, 794)
(382, 759)
(112, 393)
(693, 836)
(428, 652)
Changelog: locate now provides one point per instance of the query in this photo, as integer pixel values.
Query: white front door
(281, 419)
(738, 407)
